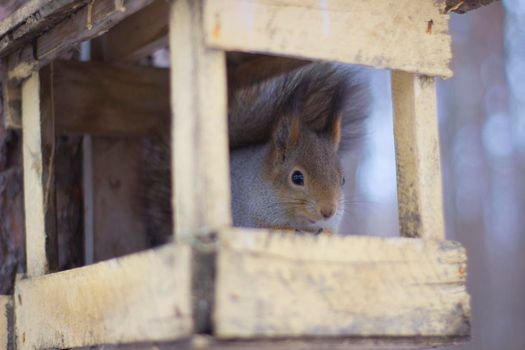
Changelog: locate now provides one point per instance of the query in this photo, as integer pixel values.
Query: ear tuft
(287, 132)
(335, 132)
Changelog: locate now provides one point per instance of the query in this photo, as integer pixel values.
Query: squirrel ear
(287, 131)
(335, 132)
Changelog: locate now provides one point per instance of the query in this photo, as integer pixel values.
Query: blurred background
(482, 133)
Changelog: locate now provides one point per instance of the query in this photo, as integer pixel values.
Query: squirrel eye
(298, 178)
(343, 181)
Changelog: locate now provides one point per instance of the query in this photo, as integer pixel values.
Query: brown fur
(295, 146)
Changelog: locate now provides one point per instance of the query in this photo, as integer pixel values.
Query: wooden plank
(39, 183)
(141, 297)
(272, 284)
(112, 100)
(11, 104)
(123, 100)
(88, 22)
(419, 190)
(103, 99)
(69, 201)
(31, 19)
(384, 33)
(259, 69)
(119, 227)
(6, 318)
(199, 127)
(138, 35)
(321, 343)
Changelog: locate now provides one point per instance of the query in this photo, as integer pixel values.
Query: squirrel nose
(327, 211)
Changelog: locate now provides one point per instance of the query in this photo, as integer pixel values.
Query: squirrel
(287, 135)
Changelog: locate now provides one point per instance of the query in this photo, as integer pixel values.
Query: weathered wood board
(382, 33)
(285, 285)
(39, 181)
(33, 18)
(418, 159)
(140, 297)
(110, 100)
(5, 318)
(199, 127)
(138, 35)
(326, 343)
(88, 22)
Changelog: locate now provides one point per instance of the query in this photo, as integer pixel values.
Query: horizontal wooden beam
(88, 22)
(102, 99)
(137, 298)
(396, 34)
(259, 68)
(207, 342)
(105, 99)
(32, 19)
(272, 284)
(138, 35)
(124, 100)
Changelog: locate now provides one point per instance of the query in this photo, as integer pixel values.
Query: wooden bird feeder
(215, 286)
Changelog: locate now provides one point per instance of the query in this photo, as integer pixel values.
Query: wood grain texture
(141, 297)
(5, 320)
(383, 34)
(418, 162)
(285, 285)
(31, 19)
(88, 22)
(199, 127)
(39, 184)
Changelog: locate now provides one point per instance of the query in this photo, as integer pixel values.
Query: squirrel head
(306, 171)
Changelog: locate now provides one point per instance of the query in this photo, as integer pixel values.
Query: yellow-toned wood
(5, 318)
(199, 126)
(286, 285)
(381, 33)
(417, 156)
(38, 159)
(137, 298)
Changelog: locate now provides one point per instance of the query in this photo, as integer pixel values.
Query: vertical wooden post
(417, 156)
(11, 104)
(199, 127)
(39, 183)
(5, 320)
